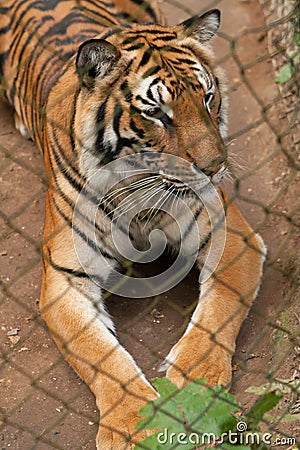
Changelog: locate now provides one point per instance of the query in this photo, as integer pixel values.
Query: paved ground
(40, 391)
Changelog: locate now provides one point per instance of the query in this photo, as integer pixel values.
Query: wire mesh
(44, 403)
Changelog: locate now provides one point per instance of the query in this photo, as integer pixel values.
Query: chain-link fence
(44, 403)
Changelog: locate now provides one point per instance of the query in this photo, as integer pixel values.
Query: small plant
(290, 69)
(201, 417)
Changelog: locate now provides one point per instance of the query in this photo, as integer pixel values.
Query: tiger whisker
(175, 198)
(236, 161)
(133, 185)
(131, 201)
(170, 194)
(161, 201)
(164, 199)
(134, 204)
(228, 176)
(153, 207)
(123, 190)
(152, 193)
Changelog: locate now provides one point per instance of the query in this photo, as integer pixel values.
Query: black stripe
(118, 111)
(186, 61)
(146, 7)
(4, 30)
(125, 142)
(152, 71)
(162, 32)
(107, 18)
(135, 47)
(4, 9)
(181, 51)
(149, 93)
(75, 273)
(122, 142)
(87, 240)
(3, 58)
(155, 31)
(165, 38)
(191, 224)
(78, 185)
(205, 241)
(145, 58)
(112, 33)
(90, 197)
(130, 40)
(100, 127)
(67, 162)
(27, 78)
(126, 91)
(219, 107)
(166, 121)
(144, 101)
(105, 4)
(140, 132)
(135, 110)
(44, 6)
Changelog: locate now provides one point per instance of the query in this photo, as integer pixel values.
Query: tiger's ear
(94, 59)
(203, 27)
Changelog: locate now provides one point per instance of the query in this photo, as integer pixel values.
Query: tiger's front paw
(199, 357)
(120, 434)
(120, 414)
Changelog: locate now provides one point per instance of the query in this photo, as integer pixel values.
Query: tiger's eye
(154, 112)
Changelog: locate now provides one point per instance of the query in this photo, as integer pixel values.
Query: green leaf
(201, 416)
(283, 386)
(162, 411)
(287, 418)
(197, 410)
(264, 403)
(285, 74)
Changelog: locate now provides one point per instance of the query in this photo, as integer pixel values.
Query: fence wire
(44, 403)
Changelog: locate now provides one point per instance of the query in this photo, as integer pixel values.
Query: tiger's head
(151, 88)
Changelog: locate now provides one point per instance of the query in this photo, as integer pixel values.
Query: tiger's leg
(72, 308)
(206, 348)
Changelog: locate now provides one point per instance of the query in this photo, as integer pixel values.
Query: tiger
(92, 82)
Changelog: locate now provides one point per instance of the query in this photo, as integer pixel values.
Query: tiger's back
(37, 39)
